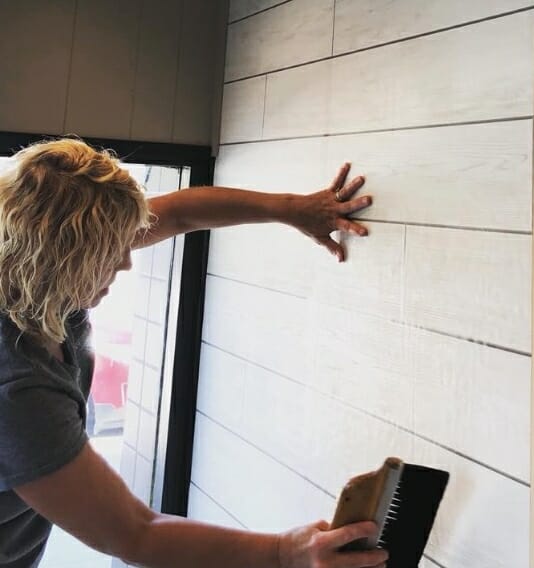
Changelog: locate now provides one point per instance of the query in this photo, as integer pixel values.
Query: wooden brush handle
(367, 497)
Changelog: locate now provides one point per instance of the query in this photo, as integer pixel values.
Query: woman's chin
(98, 298)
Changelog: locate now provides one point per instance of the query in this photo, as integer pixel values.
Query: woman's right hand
(315, 546)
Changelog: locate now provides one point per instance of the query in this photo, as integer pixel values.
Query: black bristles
(411, 514)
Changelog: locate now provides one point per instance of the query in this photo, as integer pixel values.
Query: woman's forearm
(175, 542)
(206, 207)
(316, 215)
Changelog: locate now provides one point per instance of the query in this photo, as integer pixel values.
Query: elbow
(133, 547)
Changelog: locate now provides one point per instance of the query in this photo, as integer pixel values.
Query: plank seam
(264, 107)
(380, 130)
(391, 320)
(218, 504)
(440, 226)
(384, 44)
(258, 12)
(252, 284)
(374, 416)
(265, 453)
(434, 561)
(333, 28)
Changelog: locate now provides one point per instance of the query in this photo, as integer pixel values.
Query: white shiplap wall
(419, 345)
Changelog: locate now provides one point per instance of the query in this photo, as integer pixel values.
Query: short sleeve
(41, 429)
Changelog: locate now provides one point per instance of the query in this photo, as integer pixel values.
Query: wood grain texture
(370, 281)
(35, 64)
(431, 80)
(370, 22)
(452, 280)
(465, 527)
(100, 99)
(242, 110)
(293, 33)
(473, 284)
(242, 8)
(155, 82)
(203, 508)
(440, 387)
(445, 176)
(259, 492)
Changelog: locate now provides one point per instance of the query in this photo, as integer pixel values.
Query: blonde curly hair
(68, 215)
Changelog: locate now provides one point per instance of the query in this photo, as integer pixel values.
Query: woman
(69, 217)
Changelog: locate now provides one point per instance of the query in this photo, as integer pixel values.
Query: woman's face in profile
(125, 264)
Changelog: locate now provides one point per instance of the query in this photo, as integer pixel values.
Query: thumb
(335, 248)
(322, 525)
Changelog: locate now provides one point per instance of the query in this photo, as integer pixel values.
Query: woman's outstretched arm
(90, 501)
(316, 215)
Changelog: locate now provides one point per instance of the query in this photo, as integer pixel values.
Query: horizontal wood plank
(242, 110)
(451, 281)
(287, 499)
(473, 284)
(243, 8)
(450, 176)
(202, 508)
(442, 388)
(436, 79)
(369, 281)
(372, 22)
(293, 33)
(247, 492)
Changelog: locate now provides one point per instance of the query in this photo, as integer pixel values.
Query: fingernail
(362, 232)
(368, 201)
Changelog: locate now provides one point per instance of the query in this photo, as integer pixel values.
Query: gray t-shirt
(42, 427)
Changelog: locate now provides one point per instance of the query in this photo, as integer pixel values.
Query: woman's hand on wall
(318, 214)
(314, 546)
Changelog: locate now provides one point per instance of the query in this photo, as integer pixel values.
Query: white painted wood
(427, 563)
(242, 110)
(464, 176)
(366, 23)
(297, 102)
(100, 98)
(203, 508)
(242, 8)
(473, 284)
(435, 79)
(440, 387)
(445, 176)
(453, 281)
(465, 527)
(261, 493)
(292, 166)
(279, 328)
(290, 34)
(32, 99)
(153, 104)
(369, 281)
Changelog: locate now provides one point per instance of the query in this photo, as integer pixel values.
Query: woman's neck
(54, 349)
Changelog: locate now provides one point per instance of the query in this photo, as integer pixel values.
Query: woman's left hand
(327, 210)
